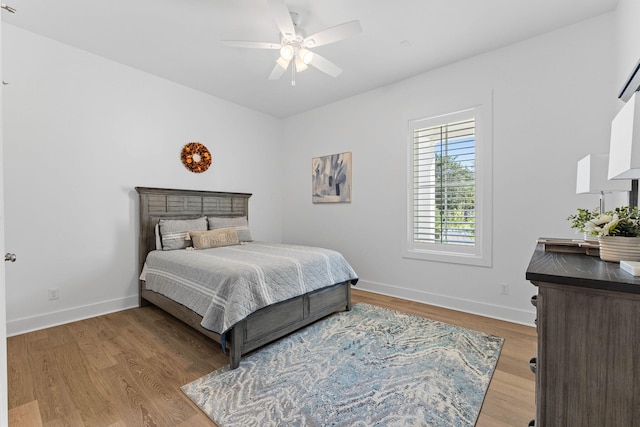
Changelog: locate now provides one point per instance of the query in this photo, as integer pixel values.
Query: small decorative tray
(576, 246)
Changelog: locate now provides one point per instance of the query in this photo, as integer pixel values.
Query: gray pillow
(240, 223)
(174, 233)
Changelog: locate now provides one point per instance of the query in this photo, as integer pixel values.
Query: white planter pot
(617, 248)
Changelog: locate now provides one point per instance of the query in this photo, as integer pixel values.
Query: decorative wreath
(195, 157)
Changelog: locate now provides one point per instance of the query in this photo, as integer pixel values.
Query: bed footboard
(265, 325)
(276, 321)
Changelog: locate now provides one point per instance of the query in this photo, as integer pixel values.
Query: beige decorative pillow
(214, 238)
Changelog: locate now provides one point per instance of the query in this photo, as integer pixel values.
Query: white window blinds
(449, 186)
(444, 183)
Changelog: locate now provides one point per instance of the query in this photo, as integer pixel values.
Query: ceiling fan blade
(325, 65)
(278, 71)
(251, 44)
(333, 34)
(282, 18)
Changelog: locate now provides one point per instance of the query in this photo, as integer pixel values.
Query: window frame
(479, 254)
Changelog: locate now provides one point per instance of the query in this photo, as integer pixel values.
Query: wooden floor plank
(72, 418)
(123, 393)
(79, 377)
(19, 378)
(126, 368)
(158, 390)
(54, 398)
(86, 335)
(25, 415)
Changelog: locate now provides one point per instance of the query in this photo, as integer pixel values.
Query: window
(448, 215)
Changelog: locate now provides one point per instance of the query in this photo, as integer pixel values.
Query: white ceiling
(180, 39)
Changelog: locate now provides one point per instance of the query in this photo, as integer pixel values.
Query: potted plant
(617, 232)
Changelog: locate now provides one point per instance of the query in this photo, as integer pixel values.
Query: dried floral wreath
(195, 157)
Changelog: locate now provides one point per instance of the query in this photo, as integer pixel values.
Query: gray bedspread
(225, 285)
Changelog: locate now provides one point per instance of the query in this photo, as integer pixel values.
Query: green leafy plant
(622, 221)
(580, 220)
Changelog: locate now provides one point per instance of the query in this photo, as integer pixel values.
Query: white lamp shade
(624, 150)
(592, 176)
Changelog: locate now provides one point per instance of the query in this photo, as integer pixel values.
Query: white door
(4, 405)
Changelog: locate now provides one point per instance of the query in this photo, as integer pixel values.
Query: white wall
(80, 133)
(554, 97)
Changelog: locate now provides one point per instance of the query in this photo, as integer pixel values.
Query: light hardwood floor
(126, 369)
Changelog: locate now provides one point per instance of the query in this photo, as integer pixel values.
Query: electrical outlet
(53, 294)
(504, 289)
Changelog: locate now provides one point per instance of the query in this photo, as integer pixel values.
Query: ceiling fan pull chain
(293, 74)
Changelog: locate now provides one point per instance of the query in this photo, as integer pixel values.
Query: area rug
(370, 366)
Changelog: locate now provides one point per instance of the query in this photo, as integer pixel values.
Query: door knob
(10, 257)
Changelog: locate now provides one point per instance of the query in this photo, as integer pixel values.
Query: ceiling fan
(294, 47)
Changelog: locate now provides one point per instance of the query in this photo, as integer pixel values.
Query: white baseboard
(47, 320)
(508, 314)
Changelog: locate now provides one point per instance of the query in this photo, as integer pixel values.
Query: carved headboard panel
(157, 203)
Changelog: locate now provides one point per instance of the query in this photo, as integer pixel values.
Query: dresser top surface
(580, 270)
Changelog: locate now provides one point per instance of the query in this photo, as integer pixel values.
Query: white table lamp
(592, 178)
(624, 149)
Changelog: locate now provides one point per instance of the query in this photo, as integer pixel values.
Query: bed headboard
(157, 203)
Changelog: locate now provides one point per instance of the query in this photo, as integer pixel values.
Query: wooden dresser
(588, 363)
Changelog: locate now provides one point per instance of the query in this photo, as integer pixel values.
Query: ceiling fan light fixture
(306, 56)
(300, 65)
(284, 63)
(287, 52)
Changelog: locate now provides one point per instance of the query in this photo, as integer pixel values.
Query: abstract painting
(331, 178)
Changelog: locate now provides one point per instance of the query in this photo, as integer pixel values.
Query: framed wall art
(331, 178)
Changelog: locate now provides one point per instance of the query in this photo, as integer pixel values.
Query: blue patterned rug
(370, 366)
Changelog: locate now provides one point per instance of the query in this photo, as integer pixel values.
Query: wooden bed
(261, 327)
